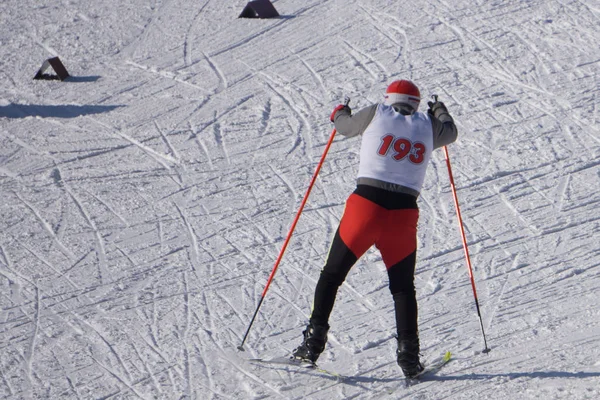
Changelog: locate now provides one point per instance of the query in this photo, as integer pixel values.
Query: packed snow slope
(144, 201)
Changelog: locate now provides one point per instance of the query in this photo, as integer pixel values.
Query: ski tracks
(364, 60)
(187, 47)
(270, 82)
(218, 135)
(383, 27)
(101, 251)
(169, 75)
(47, 227)
(162, 159)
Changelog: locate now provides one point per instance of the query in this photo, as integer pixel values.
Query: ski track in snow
(146, 200)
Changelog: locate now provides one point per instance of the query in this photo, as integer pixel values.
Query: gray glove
(437, 108)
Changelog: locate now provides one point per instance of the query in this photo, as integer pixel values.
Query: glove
(437, 108)
(339, 108)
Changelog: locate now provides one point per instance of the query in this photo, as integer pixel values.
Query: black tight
(401, 284)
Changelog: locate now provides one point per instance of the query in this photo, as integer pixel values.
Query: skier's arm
(444, 129)
(352, 125)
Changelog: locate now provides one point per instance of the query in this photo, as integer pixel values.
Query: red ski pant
(393, 232)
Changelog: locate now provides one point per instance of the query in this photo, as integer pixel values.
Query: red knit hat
(403, 92)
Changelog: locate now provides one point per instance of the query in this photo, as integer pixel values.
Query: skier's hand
(437, 108)
(338, 108)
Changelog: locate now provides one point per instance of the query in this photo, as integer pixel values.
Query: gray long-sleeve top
(444, 129)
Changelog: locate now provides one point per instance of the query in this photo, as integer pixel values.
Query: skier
(396, 147)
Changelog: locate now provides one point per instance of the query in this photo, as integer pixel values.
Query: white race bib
(396, 148)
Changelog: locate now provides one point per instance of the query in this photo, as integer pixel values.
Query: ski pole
(466, 248)
(289, 235)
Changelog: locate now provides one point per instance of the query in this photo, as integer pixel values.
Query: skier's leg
(402, 287)
(339, 262)
(355, 229)
(356, 233)
(398, 248)
(401, 277)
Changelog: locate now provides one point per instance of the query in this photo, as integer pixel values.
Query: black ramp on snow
(57, 66)
(259, 9)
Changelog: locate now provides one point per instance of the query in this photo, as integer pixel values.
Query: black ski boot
(408, 355)
(315, 337)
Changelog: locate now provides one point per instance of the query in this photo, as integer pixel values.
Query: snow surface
(145, 200)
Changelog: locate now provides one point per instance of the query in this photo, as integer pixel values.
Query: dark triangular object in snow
(57, 66)
(259, 9)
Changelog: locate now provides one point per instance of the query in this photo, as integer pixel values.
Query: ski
(297, 363)
(430, 368)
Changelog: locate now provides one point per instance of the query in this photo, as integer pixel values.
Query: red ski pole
(289, 236)
(466, 248)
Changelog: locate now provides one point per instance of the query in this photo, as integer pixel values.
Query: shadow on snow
(515, 375)
(45, 111)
